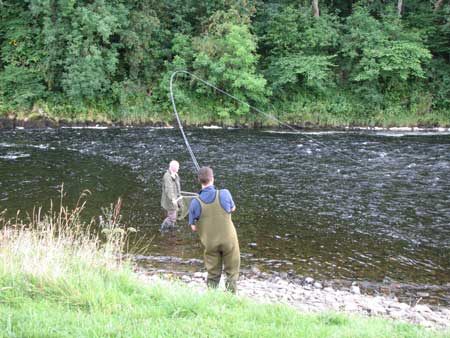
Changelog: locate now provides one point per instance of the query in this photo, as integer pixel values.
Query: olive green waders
(218, 236)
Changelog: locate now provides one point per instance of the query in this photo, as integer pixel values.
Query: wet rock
(252, 245)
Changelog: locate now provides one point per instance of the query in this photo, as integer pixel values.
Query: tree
(399, 7)
(382, 55)
(299, 50)
(315, 6)
(21, 55)
(438, 4)
(225, 55)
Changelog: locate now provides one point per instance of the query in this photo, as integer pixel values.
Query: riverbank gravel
(310, 295)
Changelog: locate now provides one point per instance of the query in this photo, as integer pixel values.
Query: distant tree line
(366, 60)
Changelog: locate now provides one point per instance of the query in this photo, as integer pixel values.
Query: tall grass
(58, 278)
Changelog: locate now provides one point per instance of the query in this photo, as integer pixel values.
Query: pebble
(200, 275)
(399, 306)
(309, 280)
(255, 270)
(185, 279)
(356, 290)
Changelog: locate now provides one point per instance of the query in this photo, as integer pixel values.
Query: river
(371, 207)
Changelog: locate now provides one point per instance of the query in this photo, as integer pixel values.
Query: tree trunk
(438, 4)
(315, 6)
(399, 7)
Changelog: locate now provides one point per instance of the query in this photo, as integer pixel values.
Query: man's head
(205, 176)
(174, 166)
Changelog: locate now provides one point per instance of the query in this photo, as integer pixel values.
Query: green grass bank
(59, 280)
(306, 114)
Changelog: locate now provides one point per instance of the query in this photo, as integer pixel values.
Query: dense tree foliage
(361, 61)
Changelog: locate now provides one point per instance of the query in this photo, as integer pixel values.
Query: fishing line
(296, 131)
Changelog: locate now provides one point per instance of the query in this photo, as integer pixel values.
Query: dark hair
(205, 175)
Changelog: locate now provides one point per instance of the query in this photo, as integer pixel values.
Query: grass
(59, 280)
(331, 112)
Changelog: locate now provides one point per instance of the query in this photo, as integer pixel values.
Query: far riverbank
(40, 122)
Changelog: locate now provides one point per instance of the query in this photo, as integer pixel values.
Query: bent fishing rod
(191, 153)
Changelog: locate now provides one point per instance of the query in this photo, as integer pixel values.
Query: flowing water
(372, 207)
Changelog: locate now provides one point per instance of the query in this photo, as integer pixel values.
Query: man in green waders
(210, 215)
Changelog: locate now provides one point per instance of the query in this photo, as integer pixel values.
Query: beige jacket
(171, 189)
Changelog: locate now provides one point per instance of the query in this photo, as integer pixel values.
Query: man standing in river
(171, 192)
(212, 212)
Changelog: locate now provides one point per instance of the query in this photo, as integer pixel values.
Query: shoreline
(311, 296)
(8, 123)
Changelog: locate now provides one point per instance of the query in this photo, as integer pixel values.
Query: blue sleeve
(226, 200)
(195, 210)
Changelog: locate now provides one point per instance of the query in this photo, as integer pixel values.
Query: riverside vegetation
(325, 63)
(60, 279)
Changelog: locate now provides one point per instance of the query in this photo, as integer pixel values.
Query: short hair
(205, 175)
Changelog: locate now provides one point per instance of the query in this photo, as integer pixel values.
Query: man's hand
(193, 227)
(174, 202)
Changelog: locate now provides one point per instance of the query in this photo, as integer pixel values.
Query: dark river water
(372, 207)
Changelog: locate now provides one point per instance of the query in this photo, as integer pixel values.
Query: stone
(446, 312)
(375, 308)
(422, 308)
(423, 294)
(351, 307)
(355, 290)
(397, 314)
(309, 280)
(400, 306)
(202, 275)
(255, 270)
(318, 285)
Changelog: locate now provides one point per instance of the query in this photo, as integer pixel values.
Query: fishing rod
(194, 160)
(172, 98)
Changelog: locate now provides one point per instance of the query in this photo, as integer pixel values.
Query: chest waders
(218, 236)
